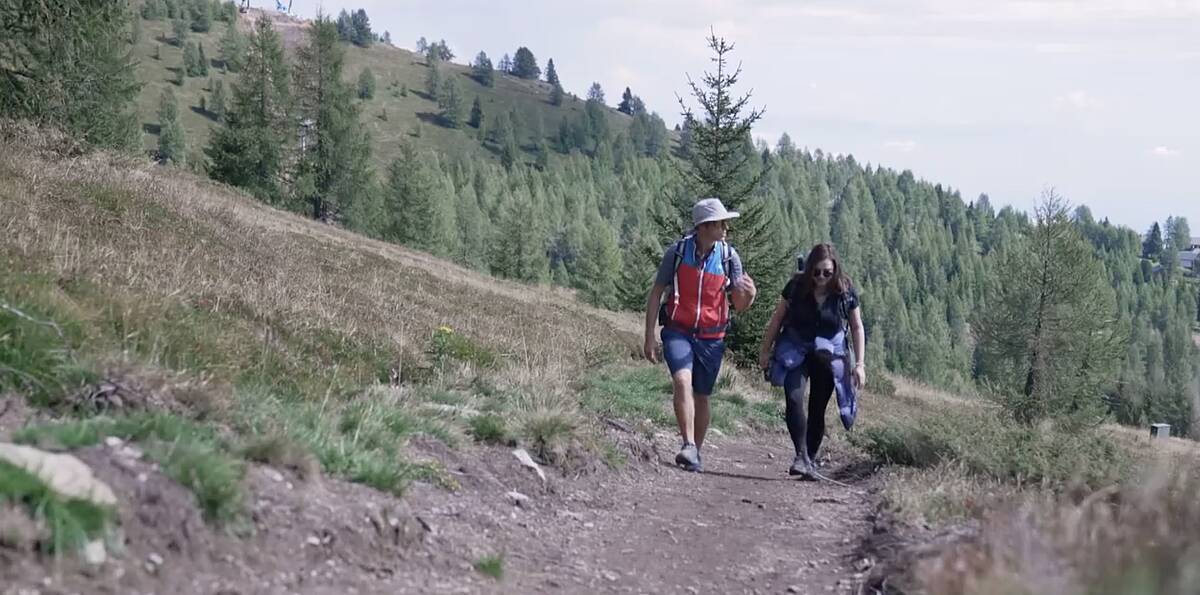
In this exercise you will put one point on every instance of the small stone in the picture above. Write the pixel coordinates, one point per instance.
(610, 576)
(150, 568)
(131, 452)
(94, 553)
(275, 475)
(526, 460)
(589, 525)
(812, 564)
(518, 498)
(747, 501)
(393, 522)
(155, 559)
(142, 478)
(313, 541)
(113, 442)
(770, 455)
(762, 506)
(793, 589)
(693, 590)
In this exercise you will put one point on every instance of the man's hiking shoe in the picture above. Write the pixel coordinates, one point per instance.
(688, 457)
(802, 466)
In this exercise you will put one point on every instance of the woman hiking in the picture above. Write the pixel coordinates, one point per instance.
(804, 350)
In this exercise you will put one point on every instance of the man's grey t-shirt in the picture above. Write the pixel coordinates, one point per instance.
(666, 269)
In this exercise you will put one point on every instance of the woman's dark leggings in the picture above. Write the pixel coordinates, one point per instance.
(807, 432)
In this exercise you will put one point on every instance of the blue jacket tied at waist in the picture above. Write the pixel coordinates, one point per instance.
(792, 351)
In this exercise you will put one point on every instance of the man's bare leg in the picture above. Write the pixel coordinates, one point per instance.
(701, 418)
(685, 405)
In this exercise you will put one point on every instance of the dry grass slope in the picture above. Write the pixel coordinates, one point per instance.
(195, 299)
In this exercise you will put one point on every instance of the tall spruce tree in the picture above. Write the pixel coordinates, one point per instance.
(596, 93)
(525, 64)
(366, 84)
(248, 152)
(333, 168)
(418, 213)
(552, 74)
(172, 145)
(233, 48)
(722, 163)
(360, 29)
(476, 118)
(451, 104)
(1048, 340)
(626, 105)
(433, 77)
(1152, 247)
(67, 64)
(482, 71)
(216, 102)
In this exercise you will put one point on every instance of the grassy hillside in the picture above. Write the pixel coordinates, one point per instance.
(395, 70)
(295, 339)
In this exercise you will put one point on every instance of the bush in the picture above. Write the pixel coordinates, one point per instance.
(489, 428)
(446, 345)
(35, 357)
(992, 446)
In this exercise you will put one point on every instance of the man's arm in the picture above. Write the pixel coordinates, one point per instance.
(744, 291)
(652, 304)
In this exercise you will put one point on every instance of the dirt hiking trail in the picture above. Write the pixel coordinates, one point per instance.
(741, 527)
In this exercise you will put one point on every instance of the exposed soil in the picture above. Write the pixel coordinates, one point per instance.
(741, 527)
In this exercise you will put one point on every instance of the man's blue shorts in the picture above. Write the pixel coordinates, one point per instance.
(702, 356)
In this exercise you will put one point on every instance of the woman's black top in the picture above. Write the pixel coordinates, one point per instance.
(808, 320)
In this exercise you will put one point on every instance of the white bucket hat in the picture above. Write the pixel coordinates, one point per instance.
(707, 210)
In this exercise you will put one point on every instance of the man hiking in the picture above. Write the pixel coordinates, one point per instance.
(704, 274)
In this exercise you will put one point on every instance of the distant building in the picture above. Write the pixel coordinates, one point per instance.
(1188, 259)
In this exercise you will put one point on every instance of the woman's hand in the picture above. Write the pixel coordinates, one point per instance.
(860, 376)
(764, 359)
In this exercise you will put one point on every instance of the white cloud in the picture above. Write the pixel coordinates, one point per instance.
(1058, 48)
(1078, 100)
(1164, 152)
(904, 146)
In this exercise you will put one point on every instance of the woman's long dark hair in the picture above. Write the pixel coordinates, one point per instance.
(840, 282)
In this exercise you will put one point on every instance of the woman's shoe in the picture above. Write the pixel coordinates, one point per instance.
(801, 466)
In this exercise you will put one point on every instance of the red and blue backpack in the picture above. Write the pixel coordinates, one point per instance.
(698, 302)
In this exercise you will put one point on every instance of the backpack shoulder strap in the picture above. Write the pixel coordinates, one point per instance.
(680, 246)
(726, 264)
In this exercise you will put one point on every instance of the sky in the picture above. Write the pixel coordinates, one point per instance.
(1096, 99)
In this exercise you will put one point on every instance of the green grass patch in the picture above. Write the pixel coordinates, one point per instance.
(634, 394)
(489, 428)
(71, 523)
(446, 345)
(995, 447)
(188, 452)
(360, 440)
(492, 566)
(37, 350)
(644, 393)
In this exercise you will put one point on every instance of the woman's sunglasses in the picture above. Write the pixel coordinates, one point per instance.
(827, 273)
